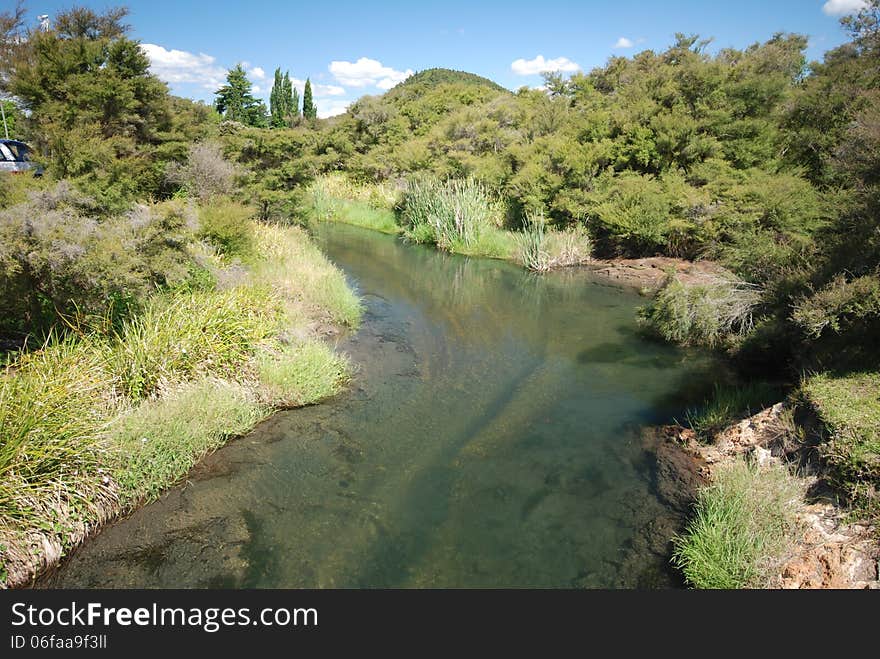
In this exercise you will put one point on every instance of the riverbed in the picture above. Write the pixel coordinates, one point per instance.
(490, 438)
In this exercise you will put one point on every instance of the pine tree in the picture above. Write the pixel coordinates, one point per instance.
(235, 102)
(310, 110)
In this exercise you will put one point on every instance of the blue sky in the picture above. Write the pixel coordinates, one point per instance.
(353, 48)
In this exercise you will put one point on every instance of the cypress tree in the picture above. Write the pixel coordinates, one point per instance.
(277, 101)
(310, 110)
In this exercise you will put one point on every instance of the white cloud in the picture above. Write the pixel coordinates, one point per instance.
(332, 108)
(623, 42)
(538, 65)
(367, 72)
(256, 89)
(258, 73)
(843, 7)
(181, 66)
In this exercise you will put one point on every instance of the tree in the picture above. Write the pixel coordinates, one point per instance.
(310, 110)
(235, 102)
(283, 101)
(292, 96)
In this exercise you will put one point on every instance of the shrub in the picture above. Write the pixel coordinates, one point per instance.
(60, 266)
(302, 374)
(226, 225)
(743, 527)
(705, 312)
(205, 174)
(839, 305)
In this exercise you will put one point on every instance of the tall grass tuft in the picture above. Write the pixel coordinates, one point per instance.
(451, 214)
(183, 335)
(311, 286)
(743, 528)
(54, 405)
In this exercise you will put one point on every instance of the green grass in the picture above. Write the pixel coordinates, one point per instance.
(54, 405)
(849, 407)
(188, 334)
(158, 442)
(743, 527)
(92, 424)
(728, 404)
(302, 374)
(310, 286)
(336, 199)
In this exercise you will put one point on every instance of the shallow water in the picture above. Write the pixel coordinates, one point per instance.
(490, 438)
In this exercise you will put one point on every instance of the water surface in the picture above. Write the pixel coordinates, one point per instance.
(490, 439)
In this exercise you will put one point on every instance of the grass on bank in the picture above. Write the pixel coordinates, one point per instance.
(188, 372)
(160, 440)
(336, 199)
(730, 403)
(743, 527)
(849, 407)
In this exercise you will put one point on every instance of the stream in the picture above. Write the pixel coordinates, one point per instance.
(490, 438)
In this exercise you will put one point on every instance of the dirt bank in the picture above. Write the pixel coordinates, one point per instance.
(651, 273)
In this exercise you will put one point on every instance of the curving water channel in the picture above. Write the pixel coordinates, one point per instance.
(490, 439)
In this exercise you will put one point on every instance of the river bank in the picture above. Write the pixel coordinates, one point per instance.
(125, 418)
(822, 545)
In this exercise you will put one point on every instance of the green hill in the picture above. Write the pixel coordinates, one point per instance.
(430, 78)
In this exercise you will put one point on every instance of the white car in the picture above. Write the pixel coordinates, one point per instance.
(15, 157)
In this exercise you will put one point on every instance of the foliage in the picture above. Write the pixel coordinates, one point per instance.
(283, 101)
(205, 174)
(447, 214)
(310, 110)
(226, 224)
(743, 527)
(61, 266)
(235, 102)
(703, 312)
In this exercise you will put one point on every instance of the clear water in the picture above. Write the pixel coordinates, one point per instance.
(490, 439)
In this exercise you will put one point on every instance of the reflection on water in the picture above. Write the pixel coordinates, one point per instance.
(490, 439)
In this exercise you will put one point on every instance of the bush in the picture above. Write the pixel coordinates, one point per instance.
(60, 266)
(205, 174)
(839, 305)
(227, 225)
(743, 527)
(705, 312)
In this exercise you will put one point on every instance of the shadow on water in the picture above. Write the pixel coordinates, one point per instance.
(491, 438)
